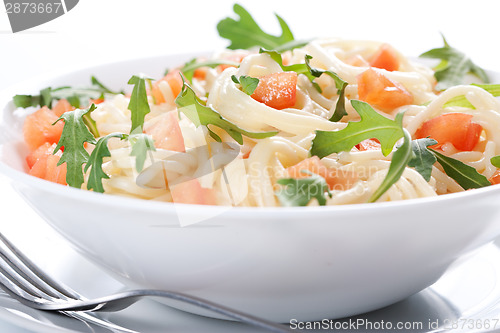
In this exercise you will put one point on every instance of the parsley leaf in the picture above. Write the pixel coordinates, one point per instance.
(454, 66)
(248, 83)
(95, 161)
(75, 133)
(246, 33)
(141, 144)
(465, 175)
(399, 161)
(138, 105)
(424, 159)
(299, 192)
(189, 104)
(371, 125)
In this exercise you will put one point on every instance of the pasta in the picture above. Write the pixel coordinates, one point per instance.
(228, 173)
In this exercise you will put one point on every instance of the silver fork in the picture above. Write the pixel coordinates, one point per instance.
(28, 284)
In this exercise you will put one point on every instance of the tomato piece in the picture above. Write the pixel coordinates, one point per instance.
(45, 166)
(62, 106)
(41, 151)
(166, 132)
(385, 58)
(368, 144)
(191, 192)
(38, 128)
(335, 178)
(174, 80)
(455, 128)
(381, 92)
(277, 90)
(357, 60)
(236, 57)
(495, 179)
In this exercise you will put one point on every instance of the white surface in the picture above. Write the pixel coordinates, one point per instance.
(97, 31)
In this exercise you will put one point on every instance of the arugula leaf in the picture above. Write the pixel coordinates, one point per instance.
(424, 159)
(371, 125)
(104, 90)
(495, 160)
(248, 83)
(465, 175)
(75, 133)
(192, 65)
(454, 66)
(141, 144)
(299, 192)
(75, 96)
(311, 74)
(95, 161)
(400, 159)
(246, 33)
(138, 105)
(199, 114)
(493, 89)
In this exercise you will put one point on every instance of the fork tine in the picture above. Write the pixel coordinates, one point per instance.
(29, 276)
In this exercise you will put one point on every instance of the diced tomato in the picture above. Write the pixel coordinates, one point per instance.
(277, 90)
(368, 144)
(495, 179)
(335, 178)
(191, 192)
(381, 92)
(97, 101)
(385, 58)
(357, 61)
(61, 107)
(174, 80)
(38, 153)
(45, 166)
(167, 133)
(38, 128)
(200, 73)
(455, 128)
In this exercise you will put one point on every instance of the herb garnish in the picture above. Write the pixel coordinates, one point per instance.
(299, 192)
(454, 66)
(246, 33)
(138, 105)
(248, 84)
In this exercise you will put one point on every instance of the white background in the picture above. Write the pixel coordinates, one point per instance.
(101, 31)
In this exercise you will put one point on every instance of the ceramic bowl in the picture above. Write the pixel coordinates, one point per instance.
(279, 263)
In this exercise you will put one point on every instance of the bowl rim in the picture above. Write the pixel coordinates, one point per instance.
(15, 175)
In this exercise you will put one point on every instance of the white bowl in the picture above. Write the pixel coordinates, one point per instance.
(281, 263)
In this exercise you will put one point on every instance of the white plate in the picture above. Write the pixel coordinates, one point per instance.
(470, 290)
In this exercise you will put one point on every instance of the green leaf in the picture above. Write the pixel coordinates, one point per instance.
(248, 83)
(75, 133)
(138, 105)
(299, 192)
(246, 33)
(104, 90)
(371, 125)
(400, 159)
(75, 96)
(455, 65)
(465, 175)
(423, 159)
(189, 104)
(95, 161)
(192, 65)
(493, 89)
(495, 160)
(141, 144)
